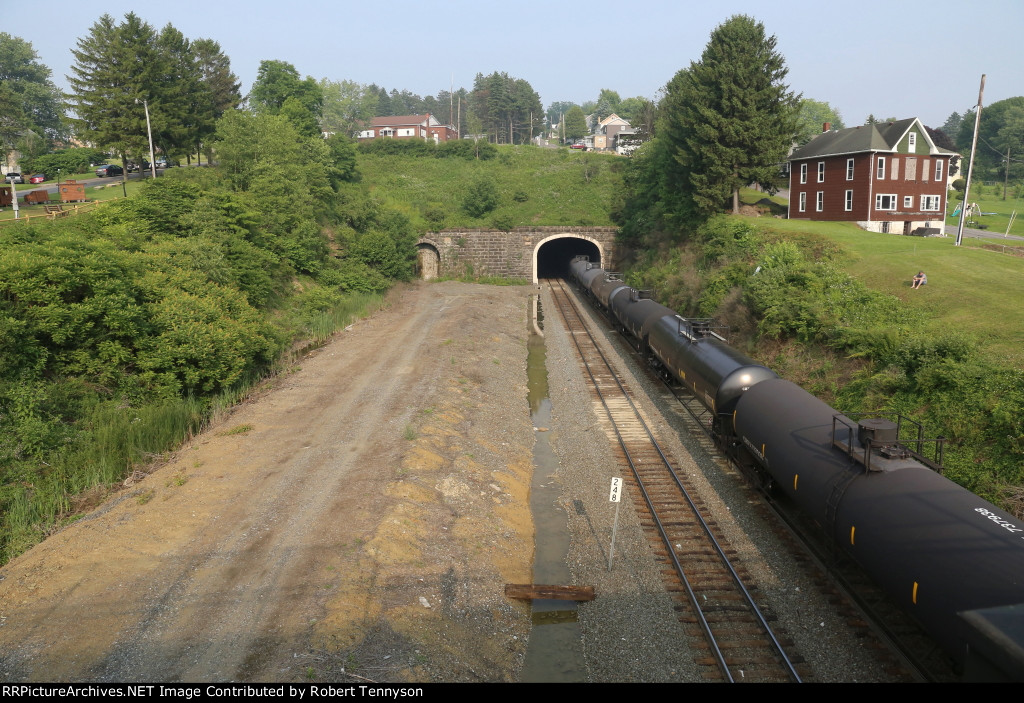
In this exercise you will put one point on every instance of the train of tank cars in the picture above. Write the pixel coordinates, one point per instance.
(954, 561)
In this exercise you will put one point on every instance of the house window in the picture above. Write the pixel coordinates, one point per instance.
(885, 228)
(908, 202)
(881, 168)
(821, 172)
(885, 202)
(894, 171)
(803, 173)
(910, 169)
(938, 169)
(849, 169)
(387, 132)
(820, 205)
(931, 203)
(803, 202)
(913, 143)
(849, 201)
(925, 166)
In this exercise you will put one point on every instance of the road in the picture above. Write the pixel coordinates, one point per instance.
(372, 502)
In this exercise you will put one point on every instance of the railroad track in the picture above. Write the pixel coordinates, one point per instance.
(901, 646)
(718, 610)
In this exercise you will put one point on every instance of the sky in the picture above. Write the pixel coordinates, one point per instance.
(894, 58)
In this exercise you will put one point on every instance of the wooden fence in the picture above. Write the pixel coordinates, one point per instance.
(51, 212)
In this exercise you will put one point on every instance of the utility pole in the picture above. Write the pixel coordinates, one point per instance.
(970, 165)
(1006, 173)
(149, 131)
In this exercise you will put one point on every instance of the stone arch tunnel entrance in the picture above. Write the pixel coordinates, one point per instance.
(553, 254)
(428, 261)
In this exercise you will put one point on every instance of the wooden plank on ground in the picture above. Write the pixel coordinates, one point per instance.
(529, 591)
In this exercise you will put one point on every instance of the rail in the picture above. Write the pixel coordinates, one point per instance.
(609, 380)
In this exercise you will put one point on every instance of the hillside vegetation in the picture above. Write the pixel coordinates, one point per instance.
(122, 329)
(465, 185)
(830, 307)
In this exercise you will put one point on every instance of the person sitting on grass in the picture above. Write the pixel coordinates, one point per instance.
(919, 280)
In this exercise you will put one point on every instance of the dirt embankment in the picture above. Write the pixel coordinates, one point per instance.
(360, 517)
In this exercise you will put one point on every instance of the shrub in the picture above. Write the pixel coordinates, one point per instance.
(481, 198)
(504, 220)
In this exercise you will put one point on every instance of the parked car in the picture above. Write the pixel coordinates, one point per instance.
(133, 167)
(37, 178)
(12, 177)
(109, 170)
(579, 145)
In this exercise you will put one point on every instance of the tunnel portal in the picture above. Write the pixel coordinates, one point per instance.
(553, 255)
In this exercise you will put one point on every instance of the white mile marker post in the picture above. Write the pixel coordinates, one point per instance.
(614, 497)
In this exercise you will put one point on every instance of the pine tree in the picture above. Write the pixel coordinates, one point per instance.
(219, 89)
(174, 101)
(116, 67)
(729, 119)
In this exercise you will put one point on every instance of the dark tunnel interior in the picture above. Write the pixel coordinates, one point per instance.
(553, 258)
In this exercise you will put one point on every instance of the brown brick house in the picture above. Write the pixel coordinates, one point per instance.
(408, 127)
(885, 177)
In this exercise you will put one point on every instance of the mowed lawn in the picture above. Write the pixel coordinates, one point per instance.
(970, 291)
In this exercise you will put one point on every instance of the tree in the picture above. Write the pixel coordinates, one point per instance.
(1010, 139)
(219, 88)
(952, 126)
(175, 99)
(383, 102)
(575, 124)
(29, 101)
(347, 106)
(509, 108)
(630, 108)
(728, 120)
(812, 116)
(991, 153)
(607, 103)
(940, 138)
(116, 67)
(276, 83)
(556, 110)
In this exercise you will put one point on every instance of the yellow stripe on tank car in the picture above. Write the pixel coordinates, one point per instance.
(853, 530)
(733, 420)
(796, 478)
(913, 597)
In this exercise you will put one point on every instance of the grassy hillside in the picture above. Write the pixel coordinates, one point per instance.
(535, 186)
(830, 307)
(971, 291)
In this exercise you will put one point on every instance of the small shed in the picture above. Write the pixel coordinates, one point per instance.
(5, 196)
(72, 192)
(37, 196)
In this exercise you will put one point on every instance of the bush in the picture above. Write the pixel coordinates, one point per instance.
(481, 198)
(69, 161)
(504, 221)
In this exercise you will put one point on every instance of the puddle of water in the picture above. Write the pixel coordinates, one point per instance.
(554, 652)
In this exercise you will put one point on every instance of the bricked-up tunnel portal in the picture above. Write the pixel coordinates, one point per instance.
(552, 256)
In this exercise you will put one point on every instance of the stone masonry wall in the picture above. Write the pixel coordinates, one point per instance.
(485, 252)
